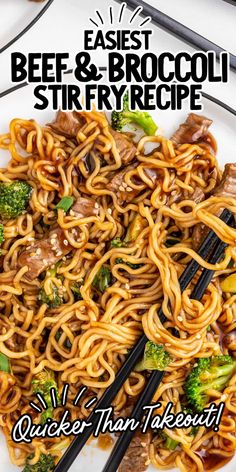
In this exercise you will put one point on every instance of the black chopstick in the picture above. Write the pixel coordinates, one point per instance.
(105, 401)
(177, 29)
(155, 378)
(28, 27)
(232, 2)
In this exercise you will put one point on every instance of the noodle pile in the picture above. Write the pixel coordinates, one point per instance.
(102, 327)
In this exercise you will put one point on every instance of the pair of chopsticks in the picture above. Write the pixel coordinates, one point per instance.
(177, 29)
(212, 243)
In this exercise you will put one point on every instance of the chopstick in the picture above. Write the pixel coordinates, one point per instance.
(177, 29)
(232, 2)
(155, 378)
(105, 401)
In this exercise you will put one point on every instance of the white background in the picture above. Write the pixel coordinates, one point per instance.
(61, 29)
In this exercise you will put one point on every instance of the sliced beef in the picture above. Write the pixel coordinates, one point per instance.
(136, 458)
(124, 145)
(226, 188)
(193, 130)
(44, 253)
(197, 196)
(84, 206)
(116, 185)
(67, 123)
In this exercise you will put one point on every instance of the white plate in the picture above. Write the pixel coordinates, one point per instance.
(46, 36)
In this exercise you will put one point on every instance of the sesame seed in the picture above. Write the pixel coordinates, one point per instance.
(64, 289)
(198, 336)
(179, 318)
(96, 205)
(54, 235)
(121, 188)
(125, 184)
(38, 251)
(129, 189)
(109, 210)
(147, 462)
(143, 444)
(53, 241)
(65, 242)
(72, 213)
(127, 286)
(168, 344)
(64, 258)
(59, 253)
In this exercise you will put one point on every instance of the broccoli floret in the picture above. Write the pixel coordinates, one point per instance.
(14, 198)
(1, 233)
(210, 373)
(54, 298)
(169, 443)
(155, 358)
(45, 464)
(141, 118)
(43, 383)
(102, 279)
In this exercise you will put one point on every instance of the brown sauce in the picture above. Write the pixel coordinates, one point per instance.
(105, 442)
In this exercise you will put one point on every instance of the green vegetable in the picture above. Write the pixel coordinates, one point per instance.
(65, 203)
(1, 233)
(14, 198)
(170, 443)
(102, 279)
(45, 464)
(134, 228)
(5, 365)
(117, 242)
(43, 383)
(67, 342)
(210, 373)
(171, 242)
(119, 260)
(75, 288)
(119, 119)
(155, 358)
(54, 298)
